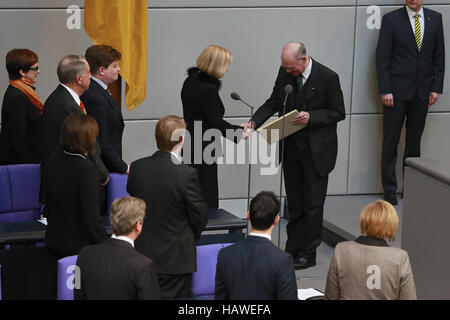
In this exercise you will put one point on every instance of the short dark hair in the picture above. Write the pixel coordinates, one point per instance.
(78, 133)
(101, 56)
(19, 59)
(165, 132)
(264, 208)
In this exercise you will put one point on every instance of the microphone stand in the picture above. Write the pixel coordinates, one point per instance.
(287, 91)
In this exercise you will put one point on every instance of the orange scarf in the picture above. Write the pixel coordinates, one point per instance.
(26, 86)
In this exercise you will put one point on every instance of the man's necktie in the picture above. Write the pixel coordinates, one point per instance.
(417, 31)
(300, 82)
(82, 107)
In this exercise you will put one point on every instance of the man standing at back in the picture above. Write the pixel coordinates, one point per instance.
(410, 68)
(176, 211)
(74, 76)
(113, 270)
(104, 64)
(255, 269)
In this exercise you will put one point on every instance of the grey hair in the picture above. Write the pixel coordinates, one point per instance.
(301, 50)
(70, 67)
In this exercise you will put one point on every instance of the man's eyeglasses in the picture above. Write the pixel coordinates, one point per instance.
(290, 68)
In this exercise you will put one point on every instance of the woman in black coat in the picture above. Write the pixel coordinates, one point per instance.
(21, 110)
(70, 190)
(203, 108)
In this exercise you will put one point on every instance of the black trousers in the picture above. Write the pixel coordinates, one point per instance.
(415, 111)
(175, 286)
(209, 183)
(306, 191)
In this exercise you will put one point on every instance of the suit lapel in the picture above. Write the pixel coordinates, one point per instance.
(70, 101)
(310, 85)
(427, 25)
(111, 102)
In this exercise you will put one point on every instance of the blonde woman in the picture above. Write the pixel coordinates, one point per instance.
(368, 268)
(203, 108)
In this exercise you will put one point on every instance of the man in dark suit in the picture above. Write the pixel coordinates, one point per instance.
(176, 211)
(104, 64)
(410, 61)
(309, 154)
(269, 272)
(74, 76)
(113, 270)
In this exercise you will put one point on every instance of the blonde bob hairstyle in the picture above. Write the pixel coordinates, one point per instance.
(379, 220)
(214, 60)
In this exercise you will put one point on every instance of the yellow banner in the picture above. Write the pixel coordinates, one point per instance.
(123, 25)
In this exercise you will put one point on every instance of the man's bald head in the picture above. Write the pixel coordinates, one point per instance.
(291, 58)
(70, 67)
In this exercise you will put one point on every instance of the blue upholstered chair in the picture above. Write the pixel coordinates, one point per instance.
(203, 281)
(117, 188)
(66, 278)
(19, 192)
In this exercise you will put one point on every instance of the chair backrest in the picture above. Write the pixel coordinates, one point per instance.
(203, 281)
(67, 278)
(117, 188)
(19, 192)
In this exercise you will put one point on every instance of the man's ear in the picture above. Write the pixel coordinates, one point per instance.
(277, 219)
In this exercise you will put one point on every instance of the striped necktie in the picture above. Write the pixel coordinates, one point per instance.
(417, 31)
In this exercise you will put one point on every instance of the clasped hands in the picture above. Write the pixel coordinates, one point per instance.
(302, 118)
(388, 99)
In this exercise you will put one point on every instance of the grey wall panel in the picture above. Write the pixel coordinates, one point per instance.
(365, 86)
(435, 139)
(254, 36)
(45, 32)
(247, 3)
(138, 140)
(40, 3)
(337, 182)
(396, 2)
(365, 155)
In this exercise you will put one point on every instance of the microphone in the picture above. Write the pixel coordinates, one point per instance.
(236, 97)
(287, 90)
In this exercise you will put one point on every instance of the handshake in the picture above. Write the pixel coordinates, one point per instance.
(248, 127)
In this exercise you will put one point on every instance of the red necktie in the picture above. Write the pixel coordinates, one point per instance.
(82, 107)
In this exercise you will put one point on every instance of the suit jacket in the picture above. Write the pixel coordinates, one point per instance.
(101, 105)
(255, 269)
(113, 270)
(401, 68)
(176, 212)
(202, 103)
(356, 265)
(20, 130)
(323, 100)
(57, 107)
(70, 192)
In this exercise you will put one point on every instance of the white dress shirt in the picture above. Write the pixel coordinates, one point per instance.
(123, 238)
(262, 235)
(411, 14)
(307, 72)
(73, 94)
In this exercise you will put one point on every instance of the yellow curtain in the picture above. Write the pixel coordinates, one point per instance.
(122, 24)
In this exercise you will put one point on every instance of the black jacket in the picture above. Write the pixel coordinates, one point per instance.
(401, 69)
(202, 103)
(113, 270)
(70, 192)
(20, 130)
(176, 212)
(323, 100)
(101, 105)
(57, 107)
(255, 269)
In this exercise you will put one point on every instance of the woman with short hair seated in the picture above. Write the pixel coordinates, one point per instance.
(70, 190)
(368, 268)
(21, 110)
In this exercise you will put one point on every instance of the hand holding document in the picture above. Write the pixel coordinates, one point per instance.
(273, 131)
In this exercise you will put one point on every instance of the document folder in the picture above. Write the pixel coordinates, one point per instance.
(273, 131)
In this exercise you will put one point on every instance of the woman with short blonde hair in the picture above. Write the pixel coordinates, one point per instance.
(203, 109)
(368, 268)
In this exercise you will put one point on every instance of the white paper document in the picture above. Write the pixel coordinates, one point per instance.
(304, 294)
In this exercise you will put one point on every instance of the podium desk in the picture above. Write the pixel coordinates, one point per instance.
(28, 233)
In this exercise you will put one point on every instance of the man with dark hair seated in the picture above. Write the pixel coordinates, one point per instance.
(255, 269)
